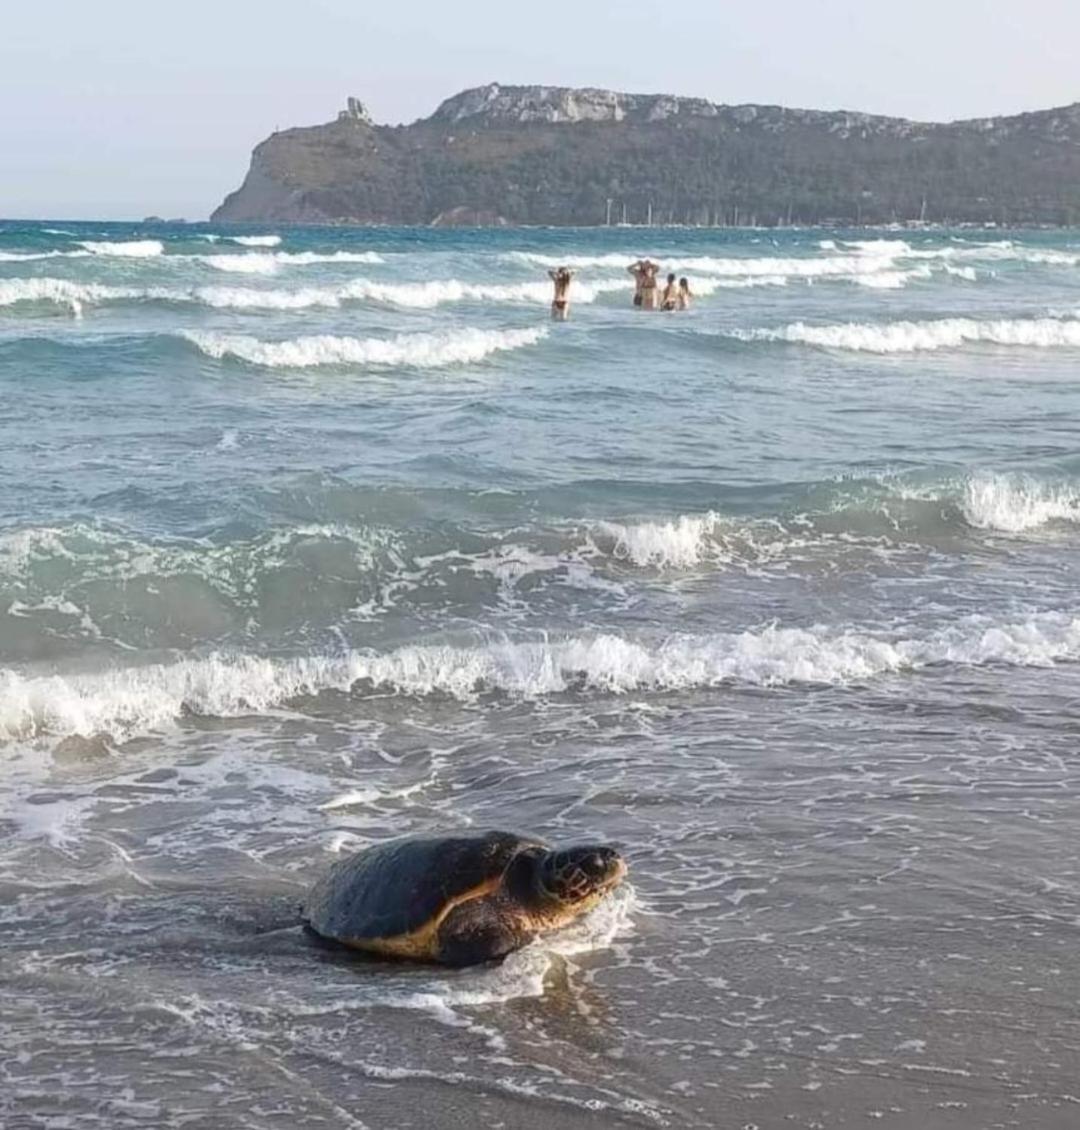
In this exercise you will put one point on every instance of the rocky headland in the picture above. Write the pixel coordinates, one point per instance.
(554, 155)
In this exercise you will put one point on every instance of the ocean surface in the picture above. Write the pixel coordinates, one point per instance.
(314, 537)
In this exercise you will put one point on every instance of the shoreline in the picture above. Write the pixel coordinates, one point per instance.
(337, 225)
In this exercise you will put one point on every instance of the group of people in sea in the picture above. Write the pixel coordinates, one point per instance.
(648, 294)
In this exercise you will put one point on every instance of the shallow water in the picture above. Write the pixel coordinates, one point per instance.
(323, 538)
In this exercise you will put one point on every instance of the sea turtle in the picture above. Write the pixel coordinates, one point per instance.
(461, 899)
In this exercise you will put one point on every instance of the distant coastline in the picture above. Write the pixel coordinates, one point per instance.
(501, 156)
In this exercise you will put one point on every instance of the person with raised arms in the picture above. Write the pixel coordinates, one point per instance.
(644, 272)
(560, 305)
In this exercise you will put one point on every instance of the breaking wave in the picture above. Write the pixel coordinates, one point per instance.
(679, 543)
(1016, 503)
(127, 249)
(805, 267)
(858, 260)
(61, 292)
(420, 295)
(892, 280)
(255, 240)
(127, 702)
(24, 256)
(912, 337)
(424, 295)
(267, 263)
(422, 350)
(877, 514)
(81, 553)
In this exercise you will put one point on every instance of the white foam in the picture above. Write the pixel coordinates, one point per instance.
(134, 701)
(844, 265)
(889, 248)
(1054, 258)
(370, 796)
(422, 350)
(911, 337)
(127, 249)
(892, 280)
(71, 294)
(24, 256)
(304, 258)
(30, 557)
(255, 240)
(352, 797)
(842, 259)
(267, 263)
(708, 286)
(242, 264)
(1015, 503)
(680, 543)
(249, 298)
(998, 251)
(424, 295)
(419, 295)
(524, 972)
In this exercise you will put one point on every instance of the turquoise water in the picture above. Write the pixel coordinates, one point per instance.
(310, 537)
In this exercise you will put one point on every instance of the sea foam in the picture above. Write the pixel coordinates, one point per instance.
(422, 350)
(123, 703)
(255, 240)
(425, 295)
(805, 267)
(61, 292)
(25, 256)
(416, 295)
(127, 249)
(913, 337)
(858, 260)
(267, 263)
(1017, 503)
(680, 543)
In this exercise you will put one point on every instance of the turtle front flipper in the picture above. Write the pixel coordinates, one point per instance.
(484, 929)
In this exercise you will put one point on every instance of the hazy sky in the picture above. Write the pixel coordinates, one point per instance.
(121, 108)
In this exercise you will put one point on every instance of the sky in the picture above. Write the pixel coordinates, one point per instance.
(120, 109)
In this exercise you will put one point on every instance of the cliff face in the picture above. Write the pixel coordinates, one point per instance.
(553, 155)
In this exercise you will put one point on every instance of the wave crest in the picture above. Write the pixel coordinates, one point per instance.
(267, 263)
(424, 295)
(914, 337)
(421, 350)
(139, 700)
(126, 249)
(683, 542)
(255, 240)
(1013, 504)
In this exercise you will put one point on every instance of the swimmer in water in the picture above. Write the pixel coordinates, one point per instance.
(560, 306)
(644, 272)
(669, 300)
(684, 296)
(638, 271)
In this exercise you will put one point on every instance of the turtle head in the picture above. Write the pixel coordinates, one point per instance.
(578, 875)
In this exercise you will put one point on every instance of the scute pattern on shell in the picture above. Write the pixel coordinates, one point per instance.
(396, 888)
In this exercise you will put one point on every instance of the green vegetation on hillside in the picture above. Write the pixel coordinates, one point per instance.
(730, 166)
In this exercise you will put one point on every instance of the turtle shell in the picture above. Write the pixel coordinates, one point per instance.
(402, 888)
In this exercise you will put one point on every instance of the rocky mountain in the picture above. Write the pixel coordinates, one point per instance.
(554, 155)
